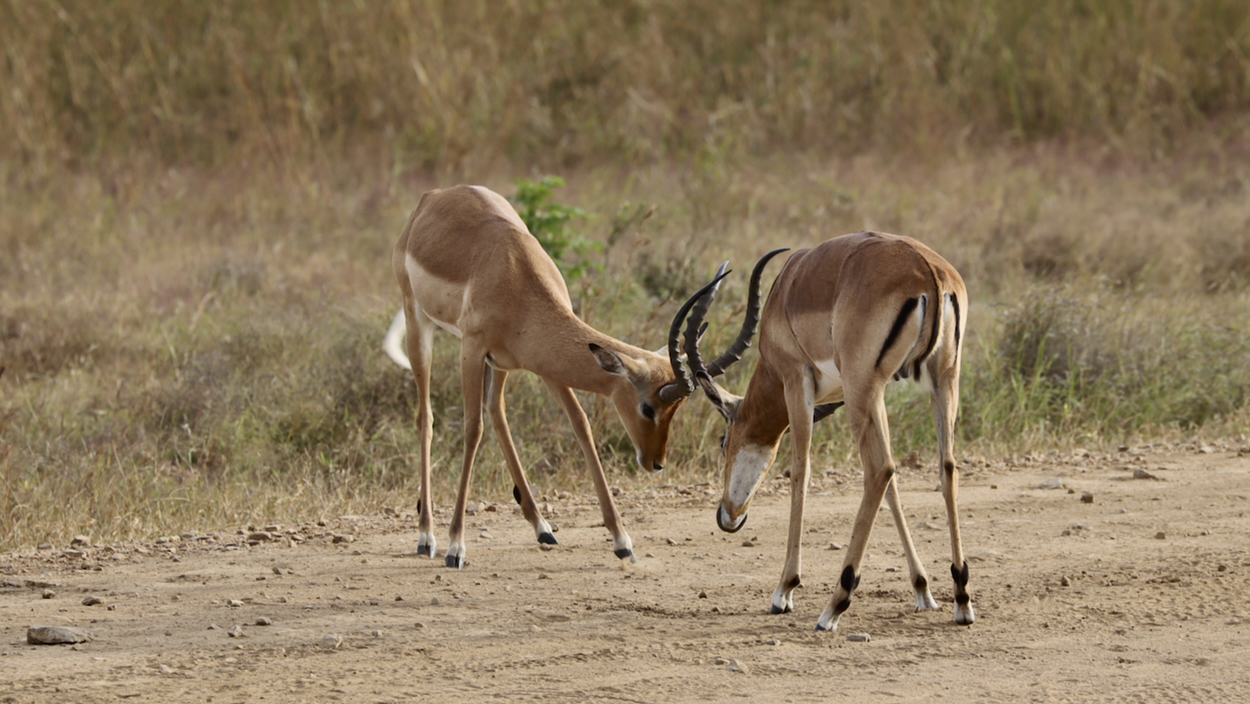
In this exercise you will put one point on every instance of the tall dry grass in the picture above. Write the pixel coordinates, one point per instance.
(474, 83)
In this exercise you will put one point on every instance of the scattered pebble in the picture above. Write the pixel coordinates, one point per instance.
(1051, 483)
(1087, 498)
(277, 570)
(92, 601)
(1161, 535)
(859, 638)
(49, 594)
(1140, 473)
(264, 621)
(259, 536)
(236, 631)
(834, 546)
(1065, 582)
(56, 635)
(702, 594)
(342, 538)
(234, 603)
(735, 666)
(331, 641)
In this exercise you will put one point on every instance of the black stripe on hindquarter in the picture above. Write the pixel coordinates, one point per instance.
(908, 306)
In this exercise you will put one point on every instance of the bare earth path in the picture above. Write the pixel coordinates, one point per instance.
(1142, 594)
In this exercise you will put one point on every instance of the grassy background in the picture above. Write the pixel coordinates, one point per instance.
(198, 202)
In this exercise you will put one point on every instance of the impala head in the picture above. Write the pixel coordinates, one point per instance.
(646, 400)
(749, 448)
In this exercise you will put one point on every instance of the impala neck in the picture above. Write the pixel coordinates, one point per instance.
(563, 356)
(762, 414)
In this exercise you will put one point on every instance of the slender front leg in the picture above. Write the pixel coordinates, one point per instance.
(521, 488)
(472, 378)
(918, 576)
(622, 546)
(868, 421)
(418, 340)
(799, 408)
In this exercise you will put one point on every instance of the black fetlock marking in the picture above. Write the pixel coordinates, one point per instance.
(623, 553)
(962, 598)
(921, 584)
(425, 551)
(516, 493)
(841, 606)
(456, 561)
(960, 575)
(547, 539)
(949, 468)
(849, 580)
(794, 583)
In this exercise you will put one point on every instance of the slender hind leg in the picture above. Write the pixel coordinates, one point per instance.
(873, 435)
(945, 404)
(521, 488)
(917, 575)
(419, 343)
(622, 546)
(472, 380)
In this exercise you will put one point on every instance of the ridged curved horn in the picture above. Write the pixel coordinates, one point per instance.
(683, 385)
(749, 324)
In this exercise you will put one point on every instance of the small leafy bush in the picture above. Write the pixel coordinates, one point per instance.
(549, 223)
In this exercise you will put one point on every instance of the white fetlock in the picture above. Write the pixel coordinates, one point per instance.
(783, 601)
(623, 547)
(828, 620)
(427, 545)
(964, 615)
(925, 600)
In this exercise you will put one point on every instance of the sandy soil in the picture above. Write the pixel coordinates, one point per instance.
(1142, 594)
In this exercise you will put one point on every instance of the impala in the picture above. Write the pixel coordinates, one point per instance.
(843, 320)
(466, 263)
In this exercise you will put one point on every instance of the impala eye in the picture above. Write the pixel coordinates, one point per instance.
(647, 411)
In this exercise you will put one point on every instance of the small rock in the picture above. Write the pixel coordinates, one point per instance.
(277, 570)
(473, 507)
(236, 631)
(702, 594)
(748, 544)
(1065, 582)
(56, 635)
(331, 641)
(376, 633)
(735, 666)
(720, 661)
(49, 594)
(859, 638)
(1051, 483)
(80, 541)
(260, 536)
(418, 625)
(670, 541)
(234, 603)
(1161, 535)
(264, 621)
(213, 627)
(343, 538)
(166, 669)
(1140, 473)
(1087, 498)
(772, 641)
(399, 597)
(543, 575)
(834, 546)
(92, 601)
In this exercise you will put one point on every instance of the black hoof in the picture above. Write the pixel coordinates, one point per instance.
(547, 539)
(624, 553)
(456, 561)
(425, 551)
(778, 610)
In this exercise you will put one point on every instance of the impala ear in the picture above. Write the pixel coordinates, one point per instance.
(614, 363)
(724, 401)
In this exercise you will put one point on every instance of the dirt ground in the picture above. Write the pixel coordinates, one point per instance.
(1142, 594)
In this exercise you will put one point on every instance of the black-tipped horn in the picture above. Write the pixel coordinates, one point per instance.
(683, 385)
(749, 324)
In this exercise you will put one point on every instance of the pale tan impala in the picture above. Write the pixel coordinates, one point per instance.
(843, 320)
(467, 263)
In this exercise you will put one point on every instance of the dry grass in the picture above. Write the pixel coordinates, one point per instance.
(198, 201)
